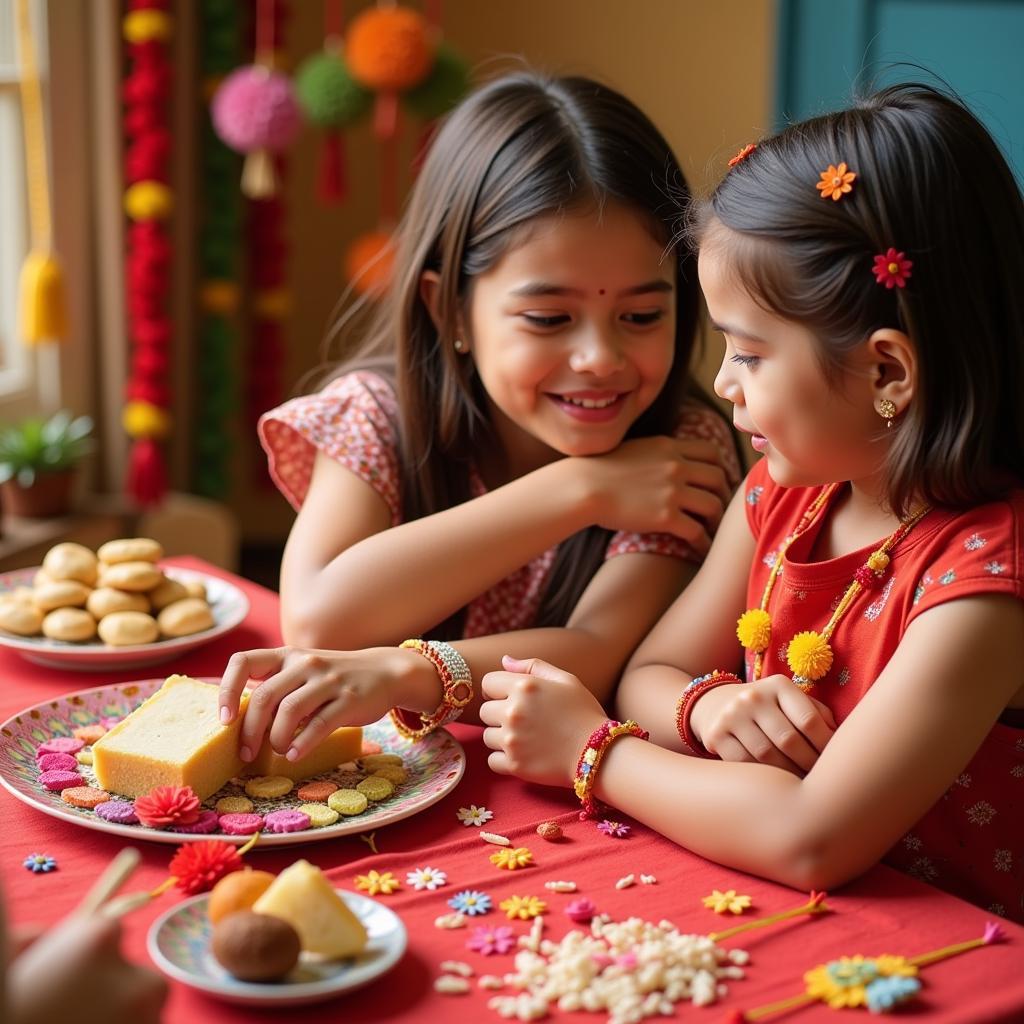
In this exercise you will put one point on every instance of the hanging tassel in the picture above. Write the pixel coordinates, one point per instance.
(385, 115)
(147, 472)
(43, 306)
(258, 178)
(332, 186)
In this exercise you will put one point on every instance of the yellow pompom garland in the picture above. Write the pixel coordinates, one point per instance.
(754, 629)
(809, 653)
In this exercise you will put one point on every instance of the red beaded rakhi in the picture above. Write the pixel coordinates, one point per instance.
(590, 758)
(809, 654)
(457, 688)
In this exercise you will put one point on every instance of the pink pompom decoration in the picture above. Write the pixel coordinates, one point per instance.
(255, 108)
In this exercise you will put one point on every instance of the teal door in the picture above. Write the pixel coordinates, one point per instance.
(975, 46)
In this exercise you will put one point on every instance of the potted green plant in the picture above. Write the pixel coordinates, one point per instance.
(37, 463)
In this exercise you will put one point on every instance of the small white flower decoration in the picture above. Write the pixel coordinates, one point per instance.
(473, 815)
(426, 878)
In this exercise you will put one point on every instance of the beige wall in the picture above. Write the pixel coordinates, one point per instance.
(701, 70)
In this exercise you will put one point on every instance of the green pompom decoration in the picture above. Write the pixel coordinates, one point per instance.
(447, 84)
(328, 95)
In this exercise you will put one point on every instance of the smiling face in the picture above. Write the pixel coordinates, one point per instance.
(811, 429)
(573, 333)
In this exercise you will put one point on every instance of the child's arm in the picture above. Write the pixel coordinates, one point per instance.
(350, 581)
(912, 734)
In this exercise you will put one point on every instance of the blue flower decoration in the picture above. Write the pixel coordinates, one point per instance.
(470, 901)
(885, 993)
(40, 863)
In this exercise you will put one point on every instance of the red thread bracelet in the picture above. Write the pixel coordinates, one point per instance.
(590, 757)
(690, 696)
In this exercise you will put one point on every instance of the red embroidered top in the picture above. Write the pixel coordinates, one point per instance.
(971, 843)
(353, 420)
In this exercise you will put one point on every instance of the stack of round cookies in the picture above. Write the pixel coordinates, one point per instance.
(118, 593)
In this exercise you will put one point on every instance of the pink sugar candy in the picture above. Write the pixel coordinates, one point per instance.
(240, 824)
(581, 910)
(57, 763)
(206, 822)
(287, 821)
(60, 745)
(57, 781)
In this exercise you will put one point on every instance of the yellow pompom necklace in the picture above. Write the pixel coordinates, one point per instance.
(809, 654)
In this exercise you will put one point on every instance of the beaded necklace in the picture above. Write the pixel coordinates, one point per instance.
(809, 654)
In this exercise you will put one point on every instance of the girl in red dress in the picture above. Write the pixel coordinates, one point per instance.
(865, 270)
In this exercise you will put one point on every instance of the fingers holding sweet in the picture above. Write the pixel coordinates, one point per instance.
(242, 667)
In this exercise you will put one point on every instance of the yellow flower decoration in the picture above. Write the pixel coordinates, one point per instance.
(754, 629)
(727, 902)
(511, 859)
(878, 561)
(373, 882)
(523, 907)
(809, 655)
(836, 182)
(843, 983)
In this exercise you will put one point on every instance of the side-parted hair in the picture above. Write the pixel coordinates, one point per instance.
(521, 147)
(932, 183)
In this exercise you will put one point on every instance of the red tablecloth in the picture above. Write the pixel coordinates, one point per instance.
(883, 912)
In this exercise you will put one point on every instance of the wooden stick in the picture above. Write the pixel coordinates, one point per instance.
(117, 872)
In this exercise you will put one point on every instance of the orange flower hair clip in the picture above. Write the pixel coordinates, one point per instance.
(743, 154)
(836, 182)
(892, 268)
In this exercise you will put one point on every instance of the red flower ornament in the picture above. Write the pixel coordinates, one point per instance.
(892, 269)
(199, 866)
(168, 805)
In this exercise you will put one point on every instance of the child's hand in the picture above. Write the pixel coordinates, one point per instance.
(538, 719)
(772, 721)
(75, 971)
(661, 485)
(318, 691)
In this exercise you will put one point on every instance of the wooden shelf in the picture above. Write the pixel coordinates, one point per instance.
(25, 541)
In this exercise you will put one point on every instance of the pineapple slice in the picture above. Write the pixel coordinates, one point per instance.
(303, 897)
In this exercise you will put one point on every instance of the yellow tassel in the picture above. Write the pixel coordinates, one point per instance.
(43, 308)
(809, 655)
(754, 629)
(259, 180)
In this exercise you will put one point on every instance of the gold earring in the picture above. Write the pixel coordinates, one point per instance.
(887, 410)
(460, 345)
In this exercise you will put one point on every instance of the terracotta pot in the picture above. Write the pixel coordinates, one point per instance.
(49, 496)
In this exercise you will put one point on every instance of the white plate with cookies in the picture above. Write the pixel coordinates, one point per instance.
(116, 608)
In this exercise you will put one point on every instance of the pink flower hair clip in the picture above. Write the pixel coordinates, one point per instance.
(743, 154)
(892, 269)
(836, 182)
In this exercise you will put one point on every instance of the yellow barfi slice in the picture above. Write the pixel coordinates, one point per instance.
(174, 739)
(344, 744)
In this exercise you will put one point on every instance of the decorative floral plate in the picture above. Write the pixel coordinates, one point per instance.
(435, 765)
(179, 943)
(228, 604)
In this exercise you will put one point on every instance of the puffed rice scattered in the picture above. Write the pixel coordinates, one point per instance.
(532, 941)
(456, 920)
(625, 882)
(493, 837)
(632, 970)
(491, 981)
(457, 967)
(560, 886)
(450, 985)
(648, 879)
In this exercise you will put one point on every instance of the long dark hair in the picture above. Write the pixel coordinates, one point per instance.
(520, 147)
(932, 183)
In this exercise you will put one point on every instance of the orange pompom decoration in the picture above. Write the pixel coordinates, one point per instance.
(369, 263)
(390, 49)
